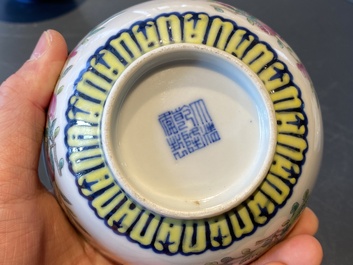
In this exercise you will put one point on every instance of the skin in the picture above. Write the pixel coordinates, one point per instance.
(33, 228)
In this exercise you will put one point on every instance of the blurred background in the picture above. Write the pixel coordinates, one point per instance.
(319, 31)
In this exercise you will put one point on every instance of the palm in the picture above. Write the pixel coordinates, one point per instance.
(38, 233)
(33, 228)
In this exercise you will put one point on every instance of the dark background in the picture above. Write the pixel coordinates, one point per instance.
(319, 31)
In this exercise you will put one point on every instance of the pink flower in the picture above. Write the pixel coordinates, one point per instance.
(73, 53)
(266, 29)
(302, 69)
(52, 107)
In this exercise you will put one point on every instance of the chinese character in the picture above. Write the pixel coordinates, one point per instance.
(188, 128)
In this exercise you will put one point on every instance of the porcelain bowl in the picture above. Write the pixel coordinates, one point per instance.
(183, 132)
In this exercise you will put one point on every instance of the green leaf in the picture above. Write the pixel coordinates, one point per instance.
(294, 208)
(51, 127)
(56, 132)
(280, 43)
(61, 164)
(66, 71)
(51, 158)
(286, 223)
(251, 20)
(306, 195)
(58, 91)
(218, 9)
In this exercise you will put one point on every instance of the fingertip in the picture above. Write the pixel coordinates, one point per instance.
(316, 247)
(306, 248)
(314, 219)
(40, 73)
(308, 224)
(48, 40)
(58, 42)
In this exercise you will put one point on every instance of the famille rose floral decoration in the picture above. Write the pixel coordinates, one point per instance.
(183, 132)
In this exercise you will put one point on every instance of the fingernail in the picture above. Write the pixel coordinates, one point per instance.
(42, 45)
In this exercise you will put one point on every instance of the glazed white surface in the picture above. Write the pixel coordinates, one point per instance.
(203, 183)
(119, 247)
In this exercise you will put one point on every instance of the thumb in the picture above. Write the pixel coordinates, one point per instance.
(24, 97)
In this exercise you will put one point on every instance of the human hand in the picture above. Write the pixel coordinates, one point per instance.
(33, 228)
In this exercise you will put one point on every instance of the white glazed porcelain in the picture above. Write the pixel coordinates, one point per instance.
(183, 132)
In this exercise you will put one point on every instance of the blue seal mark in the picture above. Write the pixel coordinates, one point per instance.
(188, 128)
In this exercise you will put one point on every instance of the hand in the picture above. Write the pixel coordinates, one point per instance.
(33, 228)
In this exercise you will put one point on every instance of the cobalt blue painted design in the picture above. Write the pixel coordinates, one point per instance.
(153, 231)
(188, 128)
